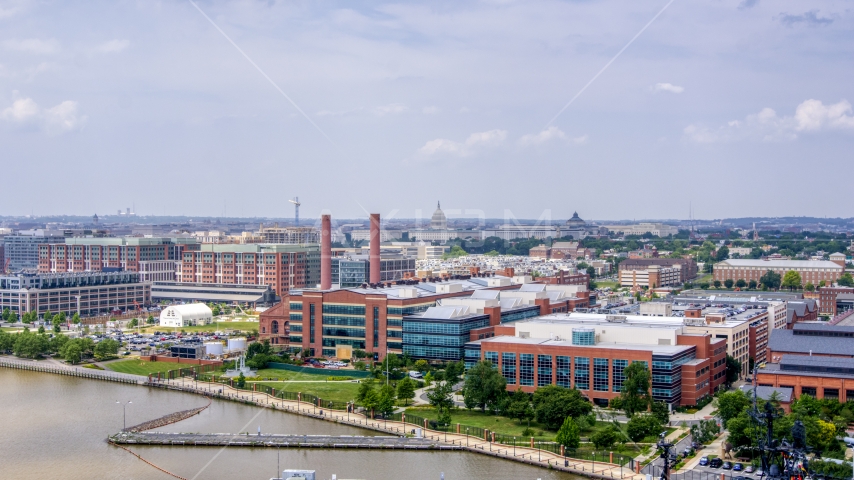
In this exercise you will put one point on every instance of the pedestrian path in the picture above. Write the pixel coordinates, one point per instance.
(529, 455)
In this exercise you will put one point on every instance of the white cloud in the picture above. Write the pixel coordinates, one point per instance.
(22, 110)
(32, 45)
(667, 87)
(63, 117)
(430, 110)
(813, 115)
(113, 46)
(390, 109)
(58, 119)
(475, 141)
(551, 133)
(810, 116)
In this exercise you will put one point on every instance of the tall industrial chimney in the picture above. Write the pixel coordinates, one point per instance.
(375, 248)
(325, 252)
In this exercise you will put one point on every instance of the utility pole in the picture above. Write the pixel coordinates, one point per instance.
(665, 446)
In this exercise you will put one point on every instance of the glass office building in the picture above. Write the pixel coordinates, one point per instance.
(440, 333)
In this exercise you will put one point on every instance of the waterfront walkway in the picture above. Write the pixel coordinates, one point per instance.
(288, 441)
(462, 441)
(529, 455)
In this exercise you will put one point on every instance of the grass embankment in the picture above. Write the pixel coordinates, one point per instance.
(243, 326)
(140, 367)
(607, 283)
(287, 375)
(497, 423)
(334, 391)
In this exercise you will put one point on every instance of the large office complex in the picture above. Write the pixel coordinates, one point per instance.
(86, 293)
(653, 276)
(815, 359)
(811, 271)
(22, 249)
(687, 266)
(153, 257)
(656, 229)
(282, 267)
(355, 270)
(590, 353)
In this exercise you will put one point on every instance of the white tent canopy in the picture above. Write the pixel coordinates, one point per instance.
(185, 315)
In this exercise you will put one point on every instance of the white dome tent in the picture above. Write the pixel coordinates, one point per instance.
(186, 315)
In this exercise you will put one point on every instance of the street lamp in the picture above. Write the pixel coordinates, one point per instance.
(124, 413)
(467, 436)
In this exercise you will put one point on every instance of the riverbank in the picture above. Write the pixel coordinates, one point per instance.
(482, 445)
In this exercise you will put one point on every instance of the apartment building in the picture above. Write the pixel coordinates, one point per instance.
(155, 257)
(86, 293)
(811, 271)
(688, 266)
(653, 276)
(282, 267)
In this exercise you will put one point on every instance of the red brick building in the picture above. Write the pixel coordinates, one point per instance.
(827, 298)
(811, 271)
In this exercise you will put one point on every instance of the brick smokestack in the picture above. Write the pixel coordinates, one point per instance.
(325, 252)
(375, 248)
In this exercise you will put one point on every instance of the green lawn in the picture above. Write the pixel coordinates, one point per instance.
(334, 391)
(223, 326)
(139, 367)
(278, 374)
(607, 283)
(705, 278)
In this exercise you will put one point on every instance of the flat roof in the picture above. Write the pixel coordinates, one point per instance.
(655, 349)
(630, 320)
(781, 340)
(781, 263)
(424, 290)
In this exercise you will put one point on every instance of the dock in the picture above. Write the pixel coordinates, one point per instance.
(280, 441)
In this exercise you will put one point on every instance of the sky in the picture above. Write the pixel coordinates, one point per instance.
(534, 109)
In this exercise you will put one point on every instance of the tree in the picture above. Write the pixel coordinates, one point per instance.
(552, 404)
(741, 429)
(484, 388)
(792, 280)
(30, 345)
(453, 371)
(421, 366)
(740, 283)
(634, 396)
(385, 403)
(440, 398)
(406, 389)
(733, 369)
(365, 386)
(518, 405)
(728, 283)
(150, 320)
(846, 280)
(717, 283)
(106, 348)
(47, 317)
(428, 379)
(751, 285)
(6, 314)
(241, 380)
(660, 411)
(605, 438)
(569, 434)
(771, 280)
(730, 404)
(642, 426)
(809, 287)
(216, 311)
(722, 254)
(133, 323)
(72, 353)
(359, 353)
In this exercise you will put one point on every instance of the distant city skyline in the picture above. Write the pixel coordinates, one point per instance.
(613, 109)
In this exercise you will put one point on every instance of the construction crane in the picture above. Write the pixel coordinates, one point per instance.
(296, 203)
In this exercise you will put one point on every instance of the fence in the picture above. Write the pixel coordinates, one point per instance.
(71, 372)
(657, 470)
(315, 371)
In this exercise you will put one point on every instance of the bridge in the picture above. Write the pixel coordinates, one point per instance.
(280, 441)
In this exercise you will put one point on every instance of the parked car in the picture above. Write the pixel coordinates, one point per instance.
(687, 452)
(737, 467)
(715, 462)
(704, 461)
(727, 466)
(740, 478)
(696, 445)
(748, 469)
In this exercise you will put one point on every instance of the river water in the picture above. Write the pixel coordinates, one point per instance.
(54, 427)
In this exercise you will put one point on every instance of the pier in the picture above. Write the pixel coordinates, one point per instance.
(280, 441)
